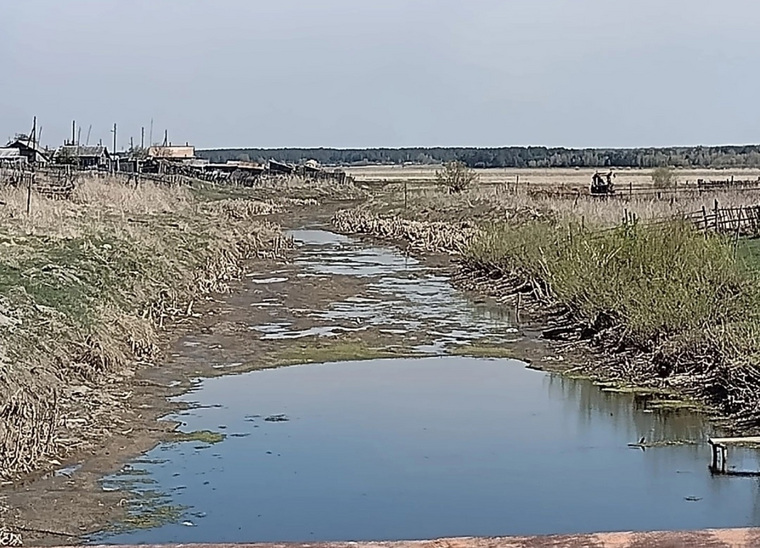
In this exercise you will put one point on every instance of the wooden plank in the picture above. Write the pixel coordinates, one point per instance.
(729, 441)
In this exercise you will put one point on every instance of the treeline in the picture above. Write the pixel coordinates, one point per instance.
(518, 157)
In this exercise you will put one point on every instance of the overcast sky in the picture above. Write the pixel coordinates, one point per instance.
(366, 73)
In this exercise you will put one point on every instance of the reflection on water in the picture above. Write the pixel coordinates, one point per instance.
(393, 449)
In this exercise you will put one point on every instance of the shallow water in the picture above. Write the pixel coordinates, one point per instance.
(417, 448)
(449, 446)
(402, 293)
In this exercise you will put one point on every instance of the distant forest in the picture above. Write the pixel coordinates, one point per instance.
(536, 157)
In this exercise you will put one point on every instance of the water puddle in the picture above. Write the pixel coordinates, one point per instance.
(412, 449)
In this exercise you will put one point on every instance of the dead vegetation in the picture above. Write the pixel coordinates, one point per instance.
(425, 236)
(305, 189)
(484, 203)
(86, 286)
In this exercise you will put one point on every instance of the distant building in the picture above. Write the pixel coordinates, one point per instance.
(30, 150)
(11, 157)
(83, 156)
(234, 166)
(279, 167)
(173, 153)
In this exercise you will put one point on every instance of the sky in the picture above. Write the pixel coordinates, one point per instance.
(391, 73)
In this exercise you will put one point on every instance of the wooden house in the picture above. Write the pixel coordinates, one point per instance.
(30, 150)
(11, 157)
(83, 156)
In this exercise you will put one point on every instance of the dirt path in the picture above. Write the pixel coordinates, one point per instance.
(323, 304)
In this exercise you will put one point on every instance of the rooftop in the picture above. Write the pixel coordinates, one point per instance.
(8, 153)
(186, 152)
(80, 151)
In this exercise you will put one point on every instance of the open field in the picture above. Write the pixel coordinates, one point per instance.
(639, 179)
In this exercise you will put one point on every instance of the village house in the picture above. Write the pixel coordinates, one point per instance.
(83, 156)
(172, 153)
(29, 149)
(11, 157)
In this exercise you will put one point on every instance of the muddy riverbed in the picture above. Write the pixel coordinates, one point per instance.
(416, 441)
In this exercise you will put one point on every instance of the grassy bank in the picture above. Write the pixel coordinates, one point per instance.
(684, 303)
(87, 284)
(654, 283)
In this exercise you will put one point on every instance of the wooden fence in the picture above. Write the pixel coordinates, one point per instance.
(739, 221)
(742, 220)
(57, 183)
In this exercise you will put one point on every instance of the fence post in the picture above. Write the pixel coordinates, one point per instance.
(716, 216)
(30, 178)
(704, 216)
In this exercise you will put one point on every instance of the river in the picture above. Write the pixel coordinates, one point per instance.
(418, 447)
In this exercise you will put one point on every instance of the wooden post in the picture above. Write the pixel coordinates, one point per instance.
(405, 195)
(630, 190)
(113, 160)
(704, 217)
(30, 178)
(517, 309)
(517, 182)
(716, 215)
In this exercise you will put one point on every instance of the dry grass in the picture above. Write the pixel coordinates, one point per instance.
(551, 178)
(484, 202)
(85, 287)
(559, 193)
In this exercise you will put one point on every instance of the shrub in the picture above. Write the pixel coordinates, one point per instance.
(455, 176)
(664, 178)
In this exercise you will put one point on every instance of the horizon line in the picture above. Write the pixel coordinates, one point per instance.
(429, 147)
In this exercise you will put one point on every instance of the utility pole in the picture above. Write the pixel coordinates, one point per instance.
(150, 140)
(73, 132)
(142, 137)
(114, 160)
(33, 136)
(34, 163)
